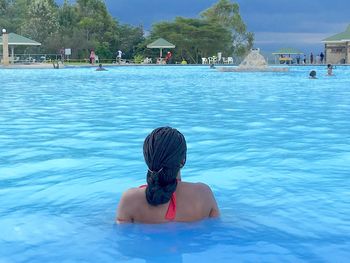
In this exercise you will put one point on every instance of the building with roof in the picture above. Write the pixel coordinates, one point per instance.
(286, 55)
(337, 48)
(161, 43)
(17, 40)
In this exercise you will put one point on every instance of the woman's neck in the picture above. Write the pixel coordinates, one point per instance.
(178, 177)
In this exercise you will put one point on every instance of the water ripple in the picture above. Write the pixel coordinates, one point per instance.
(273, 147)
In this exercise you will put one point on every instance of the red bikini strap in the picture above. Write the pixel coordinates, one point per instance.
(171, 212)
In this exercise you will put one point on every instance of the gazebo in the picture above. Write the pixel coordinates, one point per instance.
(285, 55)
(17, 40)
(337, 48)
(161, 43)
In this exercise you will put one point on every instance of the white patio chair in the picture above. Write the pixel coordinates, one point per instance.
(224, 60)
(212, 60)
(204, 61)
(230, 60)
(147, 61)
(15, 60)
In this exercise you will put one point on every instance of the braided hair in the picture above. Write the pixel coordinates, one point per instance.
(164, 151)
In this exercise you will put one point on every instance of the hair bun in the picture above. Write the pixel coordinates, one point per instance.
(153, 178)
(166, 148)
(158, 192)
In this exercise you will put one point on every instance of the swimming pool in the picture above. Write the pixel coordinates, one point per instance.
(274, 147)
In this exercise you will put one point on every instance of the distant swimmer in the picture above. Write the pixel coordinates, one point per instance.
(212, 66)
(330, 70)
(312, 74)
(100, 68)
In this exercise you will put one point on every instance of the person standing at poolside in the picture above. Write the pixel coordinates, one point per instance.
(322, 57)
(168, 57)
(166, 198)
(318, 59)
(92, 57)
(62, 54)
(311, 58)
(119, 56)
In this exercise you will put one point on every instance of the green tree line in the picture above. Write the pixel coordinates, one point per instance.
(87, 24)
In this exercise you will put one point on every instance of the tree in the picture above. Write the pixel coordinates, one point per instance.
(193, 38)
(227, 14)
(129, 38)
(220, 29)
(12, 14)
(41, 20)
(67, 18)
(95, 20)
(101, 30)
(81, 25)
(3, 6)
(3, 9)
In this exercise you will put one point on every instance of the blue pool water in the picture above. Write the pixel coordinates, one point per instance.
(274, 147)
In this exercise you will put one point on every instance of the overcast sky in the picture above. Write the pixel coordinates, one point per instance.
(276, 23)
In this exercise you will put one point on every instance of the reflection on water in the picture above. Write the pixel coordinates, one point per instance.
(170, 241)
(274, 148)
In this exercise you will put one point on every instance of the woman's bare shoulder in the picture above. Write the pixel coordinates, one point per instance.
(129, 203)
(207, 197)
(202, 195)
(133, 193)
(196, 190)
(196, 186)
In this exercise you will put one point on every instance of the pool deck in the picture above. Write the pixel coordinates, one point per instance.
(253, 69)
(28, 66)
(50, 66)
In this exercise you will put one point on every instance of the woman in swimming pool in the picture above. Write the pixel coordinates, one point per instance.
(165, 197)
(329, 70)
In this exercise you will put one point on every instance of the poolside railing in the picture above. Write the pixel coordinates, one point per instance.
(49, 58)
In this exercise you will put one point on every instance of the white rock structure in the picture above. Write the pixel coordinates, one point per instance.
(254, 62)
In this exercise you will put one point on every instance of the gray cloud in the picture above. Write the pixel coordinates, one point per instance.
(297, 23)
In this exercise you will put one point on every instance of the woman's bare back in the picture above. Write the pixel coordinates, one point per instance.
(194, 201)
